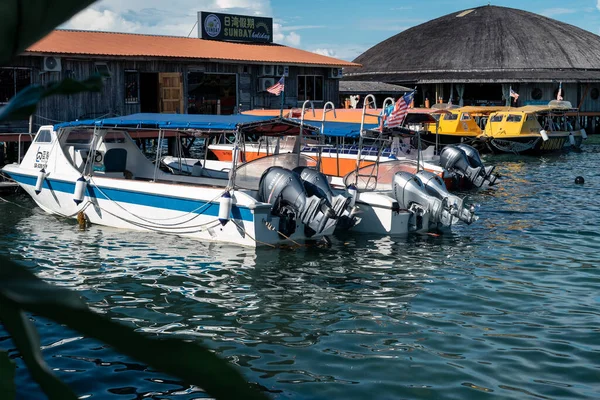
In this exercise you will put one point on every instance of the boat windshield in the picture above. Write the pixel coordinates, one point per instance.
(450, 117)
(514, 118)
(80, 136)
(247, 176)
(496, 118)
(44, 136)
(379, 178)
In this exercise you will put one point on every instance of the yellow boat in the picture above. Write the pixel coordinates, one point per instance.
(460, 125)
(533, 129)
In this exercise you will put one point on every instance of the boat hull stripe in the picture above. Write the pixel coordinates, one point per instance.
(138, 198)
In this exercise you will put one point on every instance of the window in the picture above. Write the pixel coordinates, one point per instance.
(536, 94)
(114, 137)
(102, 70)
(450, 117)
(496, 118)
(132, 87)
(12, 81)
(513, 118)
(80, 136)
(465, 117)
(43, 136)
(310, 87)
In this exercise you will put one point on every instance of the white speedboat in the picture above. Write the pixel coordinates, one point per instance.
(94, 171)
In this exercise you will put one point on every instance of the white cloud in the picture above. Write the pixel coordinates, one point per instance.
(325, 52)
(280, 36)
(101, 20)
(552, 12)
(159, 17)
(346, 52)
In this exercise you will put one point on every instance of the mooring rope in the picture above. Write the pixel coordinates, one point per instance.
(156, 221)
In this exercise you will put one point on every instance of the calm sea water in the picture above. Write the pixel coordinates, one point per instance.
(506, 308)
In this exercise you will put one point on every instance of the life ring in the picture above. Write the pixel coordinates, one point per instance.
(98, 156)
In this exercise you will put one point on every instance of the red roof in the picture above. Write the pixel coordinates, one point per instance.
(93, 43)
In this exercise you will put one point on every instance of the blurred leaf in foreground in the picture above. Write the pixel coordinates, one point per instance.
(25, 102)
(24, 22)
(195, 365)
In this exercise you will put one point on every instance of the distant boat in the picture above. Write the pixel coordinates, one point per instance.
(533, 129)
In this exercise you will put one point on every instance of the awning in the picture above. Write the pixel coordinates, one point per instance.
(200, 123)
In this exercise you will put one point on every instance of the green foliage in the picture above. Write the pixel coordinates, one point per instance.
(25, 102)
(24, 22)
(22, 291)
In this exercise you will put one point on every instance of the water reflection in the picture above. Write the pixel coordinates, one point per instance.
(417, 316)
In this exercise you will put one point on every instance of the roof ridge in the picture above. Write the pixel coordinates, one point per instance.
(159, 35)
(122, 33)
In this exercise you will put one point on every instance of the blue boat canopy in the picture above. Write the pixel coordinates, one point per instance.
(173, 121)
(264, 125)
(340, 129)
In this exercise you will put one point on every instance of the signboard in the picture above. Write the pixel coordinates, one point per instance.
(239, 28)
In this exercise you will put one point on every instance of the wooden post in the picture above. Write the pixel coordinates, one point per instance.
(587, 87)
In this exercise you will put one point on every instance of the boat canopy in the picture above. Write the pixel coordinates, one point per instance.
(200, 123)
(340, 129)
(481, 110)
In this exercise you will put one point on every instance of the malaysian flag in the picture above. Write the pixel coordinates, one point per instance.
(514, 94)
(559, 95)
(277, 88)
(398, 113)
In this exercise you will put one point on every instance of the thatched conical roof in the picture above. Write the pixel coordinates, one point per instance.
(484, 44)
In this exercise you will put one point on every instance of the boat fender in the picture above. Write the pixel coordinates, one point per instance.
(353, 192)
(583, 134)
(224, 208)
(571, 139)
(579, 180)
(40, 180)
(544, 134)
(80, 186)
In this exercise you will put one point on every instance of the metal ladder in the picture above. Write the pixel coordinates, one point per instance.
(372, 138)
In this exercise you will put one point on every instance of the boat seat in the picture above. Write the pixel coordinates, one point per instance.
(115, 160)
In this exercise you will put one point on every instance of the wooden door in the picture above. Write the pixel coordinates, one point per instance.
(171, 92)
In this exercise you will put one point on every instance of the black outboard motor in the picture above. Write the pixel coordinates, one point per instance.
(436, 187)
(475, 161)
(285, 191)
(455, 159)
(316, 184)
(411, 194)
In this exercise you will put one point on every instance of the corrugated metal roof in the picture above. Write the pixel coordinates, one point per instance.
(93, 43)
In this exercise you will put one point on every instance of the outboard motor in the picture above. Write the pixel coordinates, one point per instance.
(285, 191)
(475, 161)
(411, 194)
(436, 187)
(316, 184)
(454, 158)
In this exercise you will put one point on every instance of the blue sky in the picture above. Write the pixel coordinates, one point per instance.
(338, 28)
